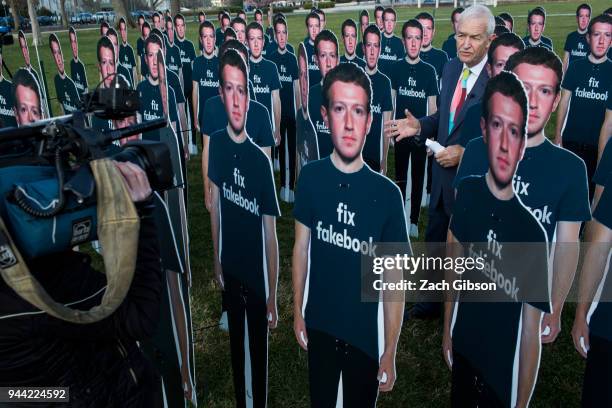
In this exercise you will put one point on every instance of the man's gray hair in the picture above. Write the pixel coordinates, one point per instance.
(479, 11)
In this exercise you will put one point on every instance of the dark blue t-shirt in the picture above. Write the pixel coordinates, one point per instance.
(78, 75)
(487, 333)
(314, 74)
(375, 214)
(436, 58)
(151, 106)
(326, 147)
(305, 139)
(244, 176)
(7, 114)
(355, 60)
(188, 55)
(413, 85)
(127, 59)
(576, 45)
(450, 46)
(391, 50)
(206, 75)
(599, 317)
(550, 181)
(67, 93)
(140, 50)
(382, 101)
(219, 37)
(590, 85)
(264, 76)
(258, 127)
(604, 168)
(286, 65)
(173, 59)
(543, 42)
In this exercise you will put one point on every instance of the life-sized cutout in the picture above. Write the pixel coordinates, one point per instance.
(27, 64)
(305, 133)
(484, 328)
(26, 98)
(173, 342)
(65, 89)
(77, 68)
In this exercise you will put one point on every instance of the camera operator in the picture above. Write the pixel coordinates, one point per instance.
(101, 362)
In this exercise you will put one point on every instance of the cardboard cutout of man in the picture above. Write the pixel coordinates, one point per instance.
(326, 52)
(305, 133)
(391, 47)
(26, 97)
(287, 67)
(25, 53)
(126, 52)
(376, 146)
(120, 68)
(491, 340)
(536, 22)
(188, 55)
(238, 167)
(586, 88)
(341, 332)
(77, 68)
(415, 87)
(551, 181)
(349, 38)
(313, 27)
(65, 89)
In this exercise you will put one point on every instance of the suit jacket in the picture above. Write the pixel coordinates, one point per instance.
(436, 126)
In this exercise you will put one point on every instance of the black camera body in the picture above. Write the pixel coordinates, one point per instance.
(47, 190)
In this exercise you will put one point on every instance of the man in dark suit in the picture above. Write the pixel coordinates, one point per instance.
(463, 82)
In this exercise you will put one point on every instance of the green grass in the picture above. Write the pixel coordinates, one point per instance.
(423, 379)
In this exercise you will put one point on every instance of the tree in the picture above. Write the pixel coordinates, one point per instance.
(33, 22)
(175, 7)
(121, 11)
(63, 13)
(14, 12)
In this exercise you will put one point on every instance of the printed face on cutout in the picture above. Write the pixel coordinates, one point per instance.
(240, 30)
(412, 42)
(27, 105)
(536, 27)
(365, 22)
(314, 26)
(281, 35)
(500, 57)
(347, 118)
(255, 40)
(303, 75)
(599, 39)
(371, 51)
(388, 23)
(207, 39)
(107, 66)
(428, 31)
(74, 45)
(180, 28)
(327, 56)
(151, 58)
(584, 16)
(350, 39)
(56, 51)
(540, 83)
(504, 137)
(378, 16)
(235, 95)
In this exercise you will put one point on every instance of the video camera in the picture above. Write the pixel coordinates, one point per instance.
(47, 189)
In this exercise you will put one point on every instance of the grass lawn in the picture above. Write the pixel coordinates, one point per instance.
(423, 379)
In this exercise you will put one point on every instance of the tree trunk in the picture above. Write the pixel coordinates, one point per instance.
(122, 11)
(13, 6)
(175, 7)
(63, 13)
(34, 22)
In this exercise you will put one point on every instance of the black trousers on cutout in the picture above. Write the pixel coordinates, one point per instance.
(287, 132)
(596, 390)
(469, 389)
(328, 357)
(588, 153)
(241, 302)
(407, 150)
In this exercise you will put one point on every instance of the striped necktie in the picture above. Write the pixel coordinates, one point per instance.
(458, 98)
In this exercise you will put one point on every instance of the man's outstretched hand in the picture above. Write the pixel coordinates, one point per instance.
(402, 128)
